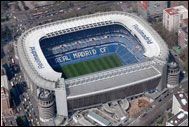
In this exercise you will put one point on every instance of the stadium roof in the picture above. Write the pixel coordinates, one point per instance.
(36, 65)
(115, 82)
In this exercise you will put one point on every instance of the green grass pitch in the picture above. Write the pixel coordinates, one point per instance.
(90, 66)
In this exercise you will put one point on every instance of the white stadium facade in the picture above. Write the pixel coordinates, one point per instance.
(99, 87)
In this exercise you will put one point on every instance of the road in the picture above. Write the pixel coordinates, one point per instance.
(23, 20)
(19, 90)
(184, 84)
(56, 11)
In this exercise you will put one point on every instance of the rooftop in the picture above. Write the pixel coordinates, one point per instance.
(176, 10)
(178, 118)
(183, 100)
(113, 82)
(99, 119)
(173, 65)
(4, 82)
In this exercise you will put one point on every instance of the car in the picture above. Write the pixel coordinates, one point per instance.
(12, 84)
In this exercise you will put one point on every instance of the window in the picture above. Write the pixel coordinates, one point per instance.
(181, 16)
(167, 22)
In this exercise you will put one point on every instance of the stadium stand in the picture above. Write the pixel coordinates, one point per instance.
(115, 37)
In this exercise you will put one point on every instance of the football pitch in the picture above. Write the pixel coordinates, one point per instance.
(90, 66)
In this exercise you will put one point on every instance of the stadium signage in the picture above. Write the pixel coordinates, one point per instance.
(142, 34)
(81, 54)
(84, 54)
(36, 58)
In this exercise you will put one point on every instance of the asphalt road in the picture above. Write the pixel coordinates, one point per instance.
(19, 91)
(29, 18)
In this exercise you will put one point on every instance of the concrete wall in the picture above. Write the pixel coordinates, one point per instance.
(84, 102)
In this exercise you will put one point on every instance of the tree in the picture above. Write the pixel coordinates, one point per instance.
(186, 59)
(71, 5)
(169, 37)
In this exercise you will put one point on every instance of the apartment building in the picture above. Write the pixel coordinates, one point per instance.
(173, 16)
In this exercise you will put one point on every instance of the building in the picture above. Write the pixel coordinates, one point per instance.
(180, 103)
(4, 82)
(180, 119)
(180, 110)
(46, 103)
(99, 87)
(98, 119)
(172, 17)
(184, 23)
(173, 75)
(5, 102)
(183, 34)
(7, 115)
(183, 37)
(80, 119)
(152, 10)
(5, 96)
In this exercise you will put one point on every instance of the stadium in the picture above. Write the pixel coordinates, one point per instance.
(93, 59)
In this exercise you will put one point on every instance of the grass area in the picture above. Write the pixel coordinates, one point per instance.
(159, 122)
(22, 121)
(86, 67)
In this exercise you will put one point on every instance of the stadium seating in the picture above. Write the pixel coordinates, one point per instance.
(128, 47)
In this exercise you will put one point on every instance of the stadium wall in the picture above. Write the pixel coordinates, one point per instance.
(93, 100)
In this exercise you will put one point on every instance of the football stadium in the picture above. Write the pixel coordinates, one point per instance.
(92, 50)
(93, 59)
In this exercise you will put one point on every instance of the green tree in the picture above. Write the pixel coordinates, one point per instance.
(169, 37)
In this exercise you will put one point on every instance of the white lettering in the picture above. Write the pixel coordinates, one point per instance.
(142, 34)
(103, 50)
(36, 58)
(94, 51)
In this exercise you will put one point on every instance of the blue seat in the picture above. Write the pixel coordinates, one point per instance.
(115, 33)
